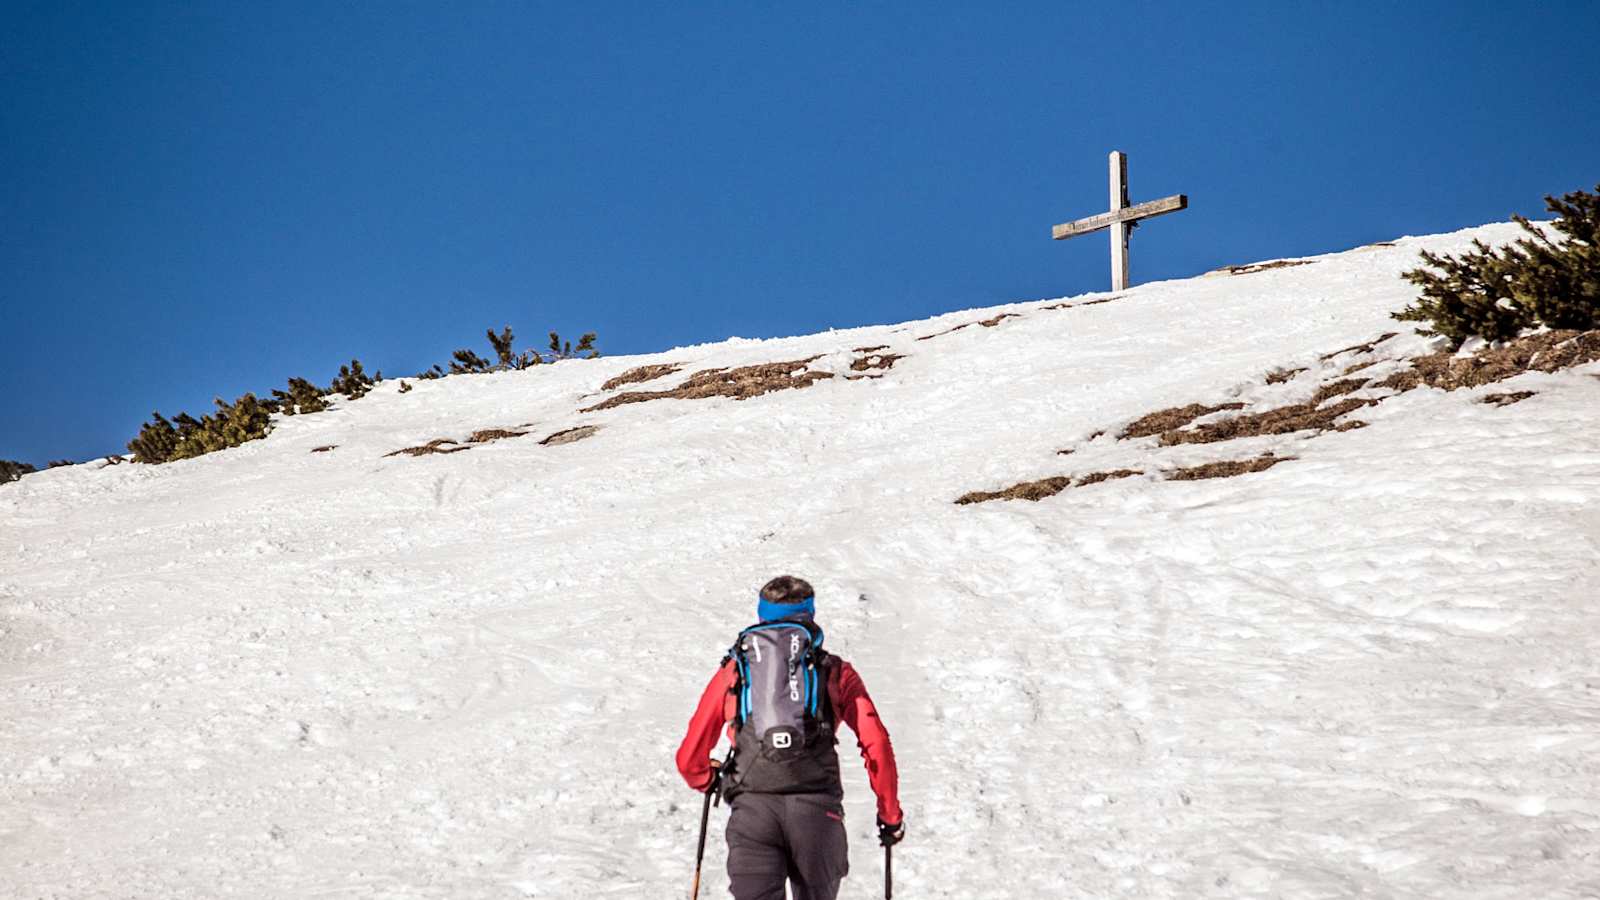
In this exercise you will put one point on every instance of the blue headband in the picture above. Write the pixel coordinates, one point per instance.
(772, 612)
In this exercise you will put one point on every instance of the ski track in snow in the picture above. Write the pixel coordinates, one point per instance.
(1366, 672)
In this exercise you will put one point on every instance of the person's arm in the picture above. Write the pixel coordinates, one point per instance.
(704, 726)
(854, 707)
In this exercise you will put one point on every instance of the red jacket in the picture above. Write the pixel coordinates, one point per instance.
(718, 706)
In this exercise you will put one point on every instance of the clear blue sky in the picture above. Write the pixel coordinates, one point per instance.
(205, 199)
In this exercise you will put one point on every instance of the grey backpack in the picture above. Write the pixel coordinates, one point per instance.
(784, 739)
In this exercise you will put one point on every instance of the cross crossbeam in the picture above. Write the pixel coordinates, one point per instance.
(1146, 210)
(1121, 219)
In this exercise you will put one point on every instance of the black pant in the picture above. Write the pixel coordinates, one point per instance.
(798, 838)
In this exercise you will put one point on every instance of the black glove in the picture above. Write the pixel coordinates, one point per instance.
(889, 835)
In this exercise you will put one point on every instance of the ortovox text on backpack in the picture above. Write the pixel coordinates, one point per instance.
(784, 729)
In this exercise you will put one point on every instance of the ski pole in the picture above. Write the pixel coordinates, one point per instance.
(705, 817)
(888, 872)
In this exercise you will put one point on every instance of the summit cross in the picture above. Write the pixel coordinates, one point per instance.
(1122, 219)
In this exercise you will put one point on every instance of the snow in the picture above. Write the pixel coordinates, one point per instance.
(269, 672)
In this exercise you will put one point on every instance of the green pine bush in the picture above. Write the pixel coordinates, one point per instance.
(248, 418)
(11, 470)
(352, 381)
(302, 397)
(465, 362)
(585, 348)
(185, 437)
(1534, 282)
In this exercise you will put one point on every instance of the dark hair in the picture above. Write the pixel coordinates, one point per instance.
(787, 589)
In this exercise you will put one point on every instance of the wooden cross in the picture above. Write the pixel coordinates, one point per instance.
(1122, 219)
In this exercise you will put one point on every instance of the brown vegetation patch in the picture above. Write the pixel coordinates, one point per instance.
(1507, 399)
(1097, 477)
(1377, 244)
(875, 361)
(1336, 389)
(493, 434)
(1550, 351)
(1282, 420)
(1172, 419)
(324, 448)
(870, 349)
(1027, 490)
(1279, 376)
(1084, 303)
(1044, 487)
(987, 323)
(1227, 468)
(740, 384)
(570, 435)
(1361, 348)
(1252, 268)
(641, 373)
(440, 445)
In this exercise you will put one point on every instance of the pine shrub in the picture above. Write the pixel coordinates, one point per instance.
(302, 397)
(465, 362)
(1537, 281)
(585, 347)
(185, 437)
(11, 470)
(352, 381)
(155, 441)
(502, 346)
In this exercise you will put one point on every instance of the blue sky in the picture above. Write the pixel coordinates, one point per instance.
(205, 199)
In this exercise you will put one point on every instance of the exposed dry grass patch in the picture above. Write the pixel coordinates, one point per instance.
(1084, 303)
(1282, 420)
(740, 384)
(570, 435)
(1550, 351)
(870, 349)
(439, 445)
(986, 323)
(1044, 487)
(1171, 419)
(1227, 468)
(1336, 389)
(324, 448)
(1097, 477)
(641, 373)
(493, 434)
(1506, 399)
(1252, 268)
(1027, 490)
(1280, 376)
(875, 361)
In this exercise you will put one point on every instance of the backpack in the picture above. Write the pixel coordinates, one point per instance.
(784, 731)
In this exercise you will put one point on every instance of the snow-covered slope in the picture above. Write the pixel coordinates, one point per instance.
(271, 672)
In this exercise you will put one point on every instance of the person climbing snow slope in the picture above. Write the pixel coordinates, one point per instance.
(782, 697)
